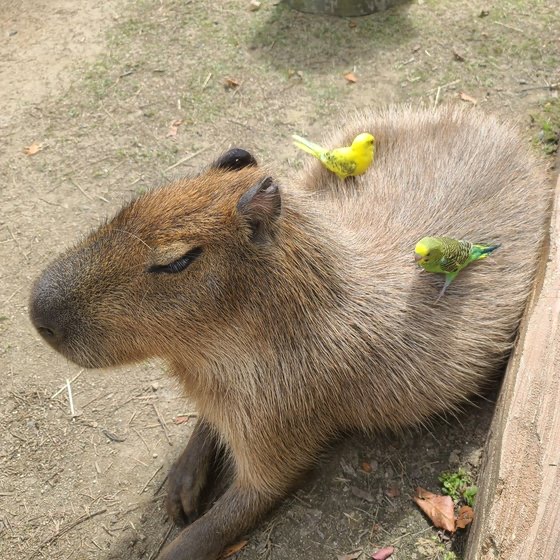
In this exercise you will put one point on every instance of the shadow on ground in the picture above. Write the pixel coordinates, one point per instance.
(340, 507)
(316, 43)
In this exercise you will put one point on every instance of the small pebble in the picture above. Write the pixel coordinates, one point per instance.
(454, 458)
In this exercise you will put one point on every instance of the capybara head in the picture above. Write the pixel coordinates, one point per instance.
(167, 263)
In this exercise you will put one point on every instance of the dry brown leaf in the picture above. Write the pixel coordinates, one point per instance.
(181, 419)
(33, 149)
(393, 491)
(351, 78)
(383, 553)
(351, 555)
(458, 57)
(366, 467)
(233, 549)
(174, 127)
(230, 83)
(466, 97)
(359, 493)
(438, 508)
(465, 517)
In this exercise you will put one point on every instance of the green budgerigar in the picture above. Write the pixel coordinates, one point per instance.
(445, 255)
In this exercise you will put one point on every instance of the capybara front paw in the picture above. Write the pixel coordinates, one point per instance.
(184, 489)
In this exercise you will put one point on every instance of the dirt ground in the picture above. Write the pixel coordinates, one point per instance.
(97, 86)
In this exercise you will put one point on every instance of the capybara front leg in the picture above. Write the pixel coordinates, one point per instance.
(190, 473)
(236, 512)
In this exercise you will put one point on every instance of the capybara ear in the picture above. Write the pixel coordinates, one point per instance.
(261, 206)
(234, 159)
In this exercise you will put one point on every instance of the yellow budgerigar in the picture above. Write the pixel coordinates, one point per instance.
(345, 162)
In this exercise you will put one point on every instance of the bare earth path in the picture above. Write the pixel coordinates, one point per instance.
(98, 85)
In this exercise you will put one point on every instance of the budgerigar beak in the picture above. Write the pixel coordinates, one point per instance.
(418, 257)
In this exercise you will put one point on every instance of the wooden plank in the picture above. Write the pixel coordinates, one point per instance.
(517, 514)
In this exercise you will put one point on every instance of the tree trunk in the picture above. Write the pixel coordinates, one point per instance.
(341, 7)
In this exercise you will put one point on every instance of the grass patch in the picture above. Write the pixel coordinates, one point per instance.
(459, 486)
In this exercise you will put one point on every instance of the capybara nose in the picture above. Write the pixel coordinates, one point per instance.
(49, 310)
(48, 333)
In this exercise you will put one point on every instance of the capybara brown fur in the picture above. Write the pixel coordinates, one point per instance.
(292, 313)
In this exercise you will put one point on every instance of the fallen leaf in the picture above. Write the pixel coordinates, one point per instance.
(393, 491)
(254, 5)
(32, 149)
(233, 549)
(366, 467)
(458, 57)
(352, 24)
(181, 419)
(466, 97)
(383, 553)
(173, 128)
(465, 517)
(351, 555)
(351, 78)
(359, 493)
(438, 508)
(230, 83)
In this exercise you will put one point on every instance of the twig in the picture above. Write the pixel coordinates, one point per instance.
(13, 294)
(143, 440)
(102, 395)
(206, 81)
(436, 100)
(163, 424)
(65, 530)
(185, 159)
(71, 381)
(445, 86)
(155, 554)
(141, 462)
(70, 399)
(17, 243)
(509, 27)
(551, 87)
(150, 479)
(244, 125)
(158, 489)
(49, 202)
(80, 188)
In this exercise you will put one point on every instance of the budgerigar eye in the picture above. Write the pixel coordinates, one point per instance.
(178, 265)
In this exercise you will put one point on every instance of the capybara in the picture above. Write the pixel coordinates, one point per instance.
(292, 313)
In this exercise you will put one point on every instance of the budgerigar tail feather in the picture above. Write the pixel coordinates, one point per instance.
(484, 250)
(307, 146)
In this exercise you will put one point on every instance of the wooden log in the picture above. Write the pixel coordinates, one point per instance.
(517, 514)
